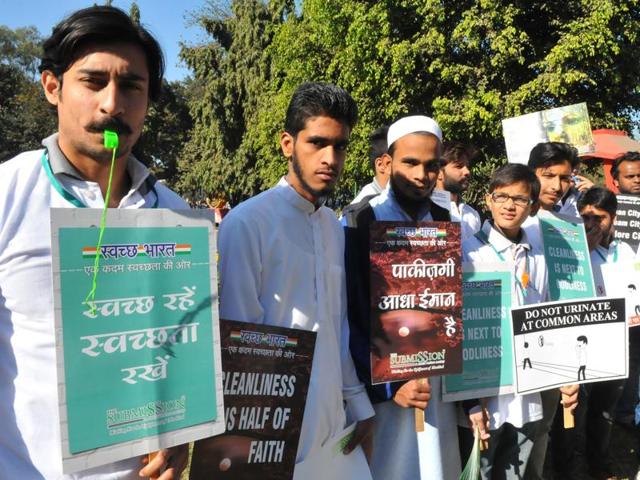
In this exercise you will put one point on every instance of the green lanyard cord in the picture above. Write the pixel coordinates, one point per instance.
(68, 196)
(90, 299)
(54, 182)
(485, 240)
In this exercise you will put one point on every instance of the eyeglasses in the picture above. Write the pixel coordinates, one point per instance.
(520, 201)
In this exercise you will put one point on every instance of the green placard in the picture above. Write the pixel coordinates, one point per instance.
(486, 349)
(126, 353)
(566, 253)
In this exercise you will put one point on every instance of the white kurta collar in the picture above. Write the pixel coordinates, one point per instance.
(294, 198)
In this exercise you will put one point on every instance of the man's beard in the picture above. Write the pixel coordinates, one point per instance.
(406, 200)
(455, 187)
(320, 194)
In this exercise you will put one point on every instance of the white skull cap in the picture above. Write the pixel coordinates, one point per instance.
(413, 124)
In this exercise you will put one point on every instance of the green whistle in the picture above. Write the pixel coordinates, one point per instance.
(110, 139)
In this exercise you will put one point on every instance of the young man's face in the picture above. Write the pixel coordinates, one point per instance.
(455, 176)
(554, 183)
(628, 181)
(598, 224)
(510, 206)
(414, 166)
(316, 156)
(107, 87)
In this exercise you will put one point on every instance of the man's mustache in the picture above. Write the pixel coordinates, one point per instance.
(112, 123)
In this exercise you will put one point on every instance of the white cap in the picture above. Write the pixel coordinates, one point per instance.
(413, 124)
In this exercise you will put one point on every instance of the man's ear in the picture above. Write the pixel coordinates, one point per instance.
(487, 200)
(383, 163)
(51, 86)
(287, 142)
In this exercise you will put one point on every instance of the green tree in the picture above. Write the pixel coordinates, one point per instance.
(468, 63)
(25, 116)
(231, 75)
(166, 130)
(134, 12)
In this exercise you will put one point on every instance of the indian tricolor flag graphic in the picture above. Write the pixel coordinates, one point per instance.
(391, 232)
(441, 232)
(235, 335)
(292, 342)
(89, 252)
(183, 248)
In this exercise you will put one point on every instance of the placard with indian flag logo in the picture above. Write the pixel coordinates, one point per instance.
(138, 351)
(416, 300)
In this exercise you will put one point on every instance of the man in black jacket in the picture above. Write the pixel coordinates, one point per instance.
(415, 150)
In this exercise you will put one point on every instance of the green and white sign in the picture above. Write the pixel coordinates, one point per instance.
(487, 355)
(566, 253)
(139, 364)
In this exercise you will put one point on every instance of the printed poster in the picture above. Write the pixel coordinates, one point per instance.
(561, 343)
(139, 365)
(416, 300)
(487, 357)
(624, 281)
(266, 374)
(566, 253)
(569, 124)
(627, 223)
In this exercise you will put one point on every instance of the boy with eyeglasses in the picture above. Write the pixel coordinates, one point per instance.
(511, 420)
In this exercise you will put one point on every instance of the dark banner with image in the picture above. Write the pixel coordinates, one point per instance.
(627, 224)
(416, 300)
(266, 373)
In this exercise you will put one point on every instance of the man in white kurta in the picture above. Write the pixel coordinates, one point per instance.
(454, 177)
(30, 436)
(282, 264)
(104, 78)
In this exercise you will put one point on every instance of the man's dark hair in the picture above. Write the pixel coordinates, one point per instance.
(514, 173)
(100, 25)
(625, 157)
(460, 152)
(314, 99)
(599, 197)
(377, 145)
(582, 338)
(547, 154)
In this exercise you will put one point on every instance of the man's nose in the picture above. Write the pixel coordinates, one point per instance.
(112, 100)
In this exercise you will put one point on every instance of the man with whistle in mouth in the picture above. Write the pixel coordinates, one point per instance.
(99, 70)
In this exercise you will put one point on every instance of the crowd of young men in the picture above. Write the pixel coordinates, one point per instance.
(287, 261)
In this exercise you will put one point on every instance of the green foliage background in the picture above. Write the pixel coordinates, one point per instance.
(467, 63)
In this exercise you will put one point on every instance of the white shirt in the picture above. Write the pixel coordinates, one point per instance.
(399, 452)
(373, 188)
(30, 433)
(516, 410)
(617, 252)
(467, 216)
(282, 263)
